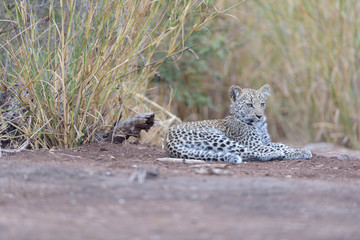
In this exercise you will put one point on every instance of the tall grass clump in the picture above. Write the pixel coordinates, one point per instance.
(75, 67)
(311, 54)
(308, 51)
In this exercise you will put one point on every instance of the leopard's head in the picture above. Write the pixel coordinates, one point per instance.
(248, 104)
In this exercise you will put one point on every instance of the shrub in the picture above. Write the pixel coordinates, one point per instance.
(76, 67)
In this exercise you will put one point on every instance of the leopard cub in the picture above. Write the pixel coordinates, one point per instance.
(242, 135)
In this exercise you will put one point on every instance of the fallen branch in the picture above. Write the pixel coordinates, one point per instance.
(130, 127)
(180, 160)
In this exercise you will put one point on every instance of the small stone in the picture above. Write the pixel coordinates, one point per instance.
(343, 157)
(194, 196)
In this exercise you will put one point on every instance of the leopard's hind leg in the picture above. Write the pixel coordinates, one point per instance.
(202, 145)
(180, 151)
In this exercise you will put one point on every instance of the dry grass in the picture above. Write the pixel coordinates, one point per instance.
(313, 63)
(80, 65)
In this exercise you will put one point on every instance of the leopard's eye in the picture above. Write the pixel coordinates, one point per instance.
(262, 104)
(250, 105)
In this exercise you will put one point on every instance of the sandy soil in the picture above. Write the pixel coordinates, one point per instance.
(85, 193)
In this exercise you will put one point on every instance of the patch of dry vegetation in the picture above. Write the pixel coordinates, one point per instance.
(74, 68)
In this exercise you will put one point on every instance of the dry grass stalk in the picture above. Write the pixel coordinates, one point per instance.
(77, 64)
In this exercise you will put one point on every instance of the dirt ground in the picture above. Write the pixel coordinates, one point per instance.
(93, 192)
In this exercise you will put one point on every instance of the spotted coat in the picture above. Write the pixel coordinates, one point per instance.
(242, 135)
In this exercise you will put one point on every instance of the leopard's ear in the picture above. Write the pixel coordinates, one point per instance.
(265, 90)
(235, 92)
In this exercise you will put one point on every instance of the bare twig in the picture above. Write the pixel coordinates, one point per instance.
(117, 121)
(173, 117)
(25, 144)
(180, 160)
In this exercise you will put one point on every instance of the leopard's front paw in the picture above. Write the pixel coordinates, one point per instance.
(306, 154)
(234, 159)
(282, 155)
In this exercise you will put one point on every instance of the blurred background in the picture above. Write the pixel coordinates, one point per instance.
(307, 51)
(182, 65)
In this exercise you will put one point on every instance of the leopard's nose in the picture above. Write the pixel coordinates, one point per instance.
(259, 116)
